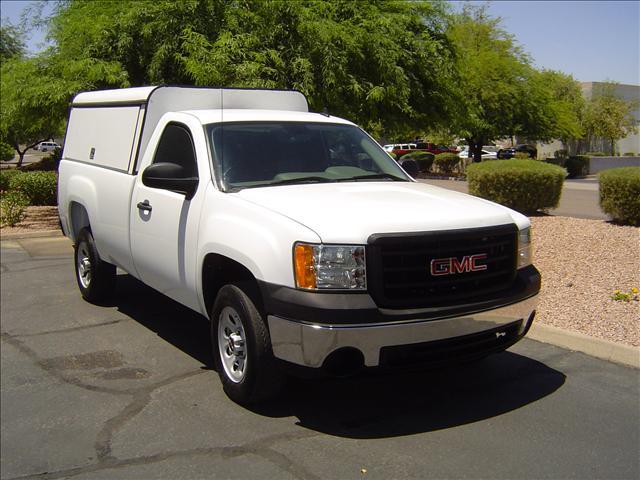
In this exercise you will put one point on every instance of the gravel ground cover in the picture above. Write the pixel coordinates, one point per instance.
(582, 263)
(37, 219)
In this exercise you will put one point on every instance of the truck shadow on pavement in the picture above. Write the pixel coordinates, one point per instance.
(369, 406)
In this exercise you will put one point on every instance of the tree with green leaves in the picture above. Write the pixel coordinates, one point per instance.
(385, 64)
(608, 116)
(11, 44)
(500, 93)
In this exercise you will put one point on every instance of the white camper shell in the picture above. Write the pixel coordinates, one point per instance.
(112, 128)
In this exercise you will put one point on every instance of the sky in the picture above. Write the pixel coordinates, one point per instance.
(591, 40)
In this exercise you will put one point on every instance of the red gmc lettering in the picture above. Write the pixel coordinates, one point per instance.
(451, 265)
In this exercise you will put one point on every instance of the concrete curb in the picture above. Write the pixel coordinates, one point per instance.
(579, 342)
(39, 234)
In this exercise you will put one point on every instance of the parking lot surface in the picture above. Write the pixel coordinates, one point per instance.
(127, 390)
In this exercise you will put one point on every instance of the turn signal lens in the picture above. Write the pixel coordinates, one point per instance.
(329, 267)
(525, 254)
(304, 266)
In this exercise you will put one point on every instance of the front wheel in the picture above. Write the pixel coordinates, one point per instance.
(242, 348)
(96, 278)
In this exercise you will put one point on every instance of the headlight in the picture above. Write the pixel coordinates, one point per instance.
(320, 267)
(525, 255)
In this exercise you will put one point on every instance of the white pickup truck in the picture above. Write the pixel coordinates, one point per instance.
(305, 244)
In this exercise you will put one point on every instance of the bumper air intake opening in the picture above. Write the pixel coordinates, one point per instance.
(344, 362)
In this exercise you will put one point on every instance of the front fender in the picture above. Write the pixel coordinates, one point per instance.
(257, 238)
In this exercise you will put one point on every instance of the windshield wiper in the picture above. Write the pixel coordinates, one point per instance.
(374, 176)
(310, 179)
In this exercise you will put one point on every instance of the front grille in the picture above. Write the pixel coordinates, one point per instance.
(451, 350)
(398, 266)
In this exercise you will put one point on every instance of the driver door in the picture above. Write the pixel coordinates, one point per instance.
(164, 223)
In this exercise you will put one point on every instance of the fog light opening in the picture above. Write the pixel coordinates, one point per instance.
(344, 362)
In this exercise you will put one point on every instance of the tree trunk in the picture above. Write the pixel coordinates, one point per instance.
(21, 157)
(477, 151)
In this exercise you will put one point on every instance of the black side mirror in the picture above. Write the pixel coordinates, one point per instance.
(169, 176)
(410, 166)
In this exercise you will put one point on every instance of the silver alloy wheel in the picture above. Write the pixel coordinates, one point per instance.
(232, 344)
(83, 264)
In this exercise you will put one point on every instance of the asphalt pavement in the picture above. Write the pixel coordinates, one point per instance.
(127, 390)
(579, 197)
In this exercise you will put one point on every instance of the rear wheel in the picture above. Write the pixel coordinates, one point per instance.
(96, 278)
(242, 348)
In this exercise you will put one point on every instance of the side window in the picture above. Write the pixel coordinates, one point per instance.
(176, 146)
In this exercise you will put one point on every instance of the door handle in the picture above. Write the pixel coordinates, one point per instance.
(144, 206)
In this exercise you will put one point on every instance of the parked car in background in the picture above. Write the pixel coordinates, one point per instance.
(402, 148)
(47, 146)
(486, 155)
(505, 153)
(435, 148)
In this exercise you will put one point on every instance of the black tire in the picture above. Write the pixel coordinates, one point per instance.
(96, 278)
(260, 378)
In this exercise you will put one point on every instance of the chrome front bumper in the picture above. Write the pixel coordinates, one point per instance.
(309, 344)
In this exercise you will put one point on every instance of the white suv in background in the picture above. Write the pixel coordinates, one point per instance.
(47, 146)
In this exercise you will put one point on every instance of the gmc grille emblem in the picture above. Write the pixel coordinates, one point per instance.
(451, 265)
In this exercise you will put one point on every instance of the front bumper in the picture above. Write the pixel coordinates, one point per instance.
(308, 342)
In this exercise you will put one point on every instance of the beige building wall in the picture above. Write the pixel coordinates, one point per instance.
(631, 143)
(629, 93)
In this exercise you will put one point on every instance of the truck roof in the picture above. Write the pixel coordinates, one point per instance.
(248, 115)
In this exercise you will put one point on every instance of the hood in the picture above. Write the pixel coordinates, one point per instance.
(351, 212)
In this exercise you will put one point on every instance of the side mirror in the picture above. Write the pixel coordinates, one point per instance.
(410, 166)
(169, 176)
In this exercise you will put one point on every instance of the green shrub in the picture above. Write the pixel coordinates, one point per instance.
(629, 154)
(393, 155)
(423, 159)
(6, 152)
(559, 161)
(524, 185)
(39, 187)
(596, 154)
(521, 155)
(5, 177)
(47, 164)
(620, 194)
(577, 166)
(446, 162)
(13, 206)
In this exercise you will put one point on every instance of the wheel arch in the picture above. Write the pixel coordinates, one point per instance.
(219, 270)
(78, 219)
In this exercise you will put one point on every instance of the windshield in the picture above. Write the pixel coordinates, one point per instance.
(260, 154)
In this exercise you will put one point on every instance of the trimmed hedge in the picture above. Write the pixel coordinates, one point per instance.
(524, 185)
(5, 177)
(423, 159)
(620, 194)
(41, 188)
(577, 165)
(446, 162)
